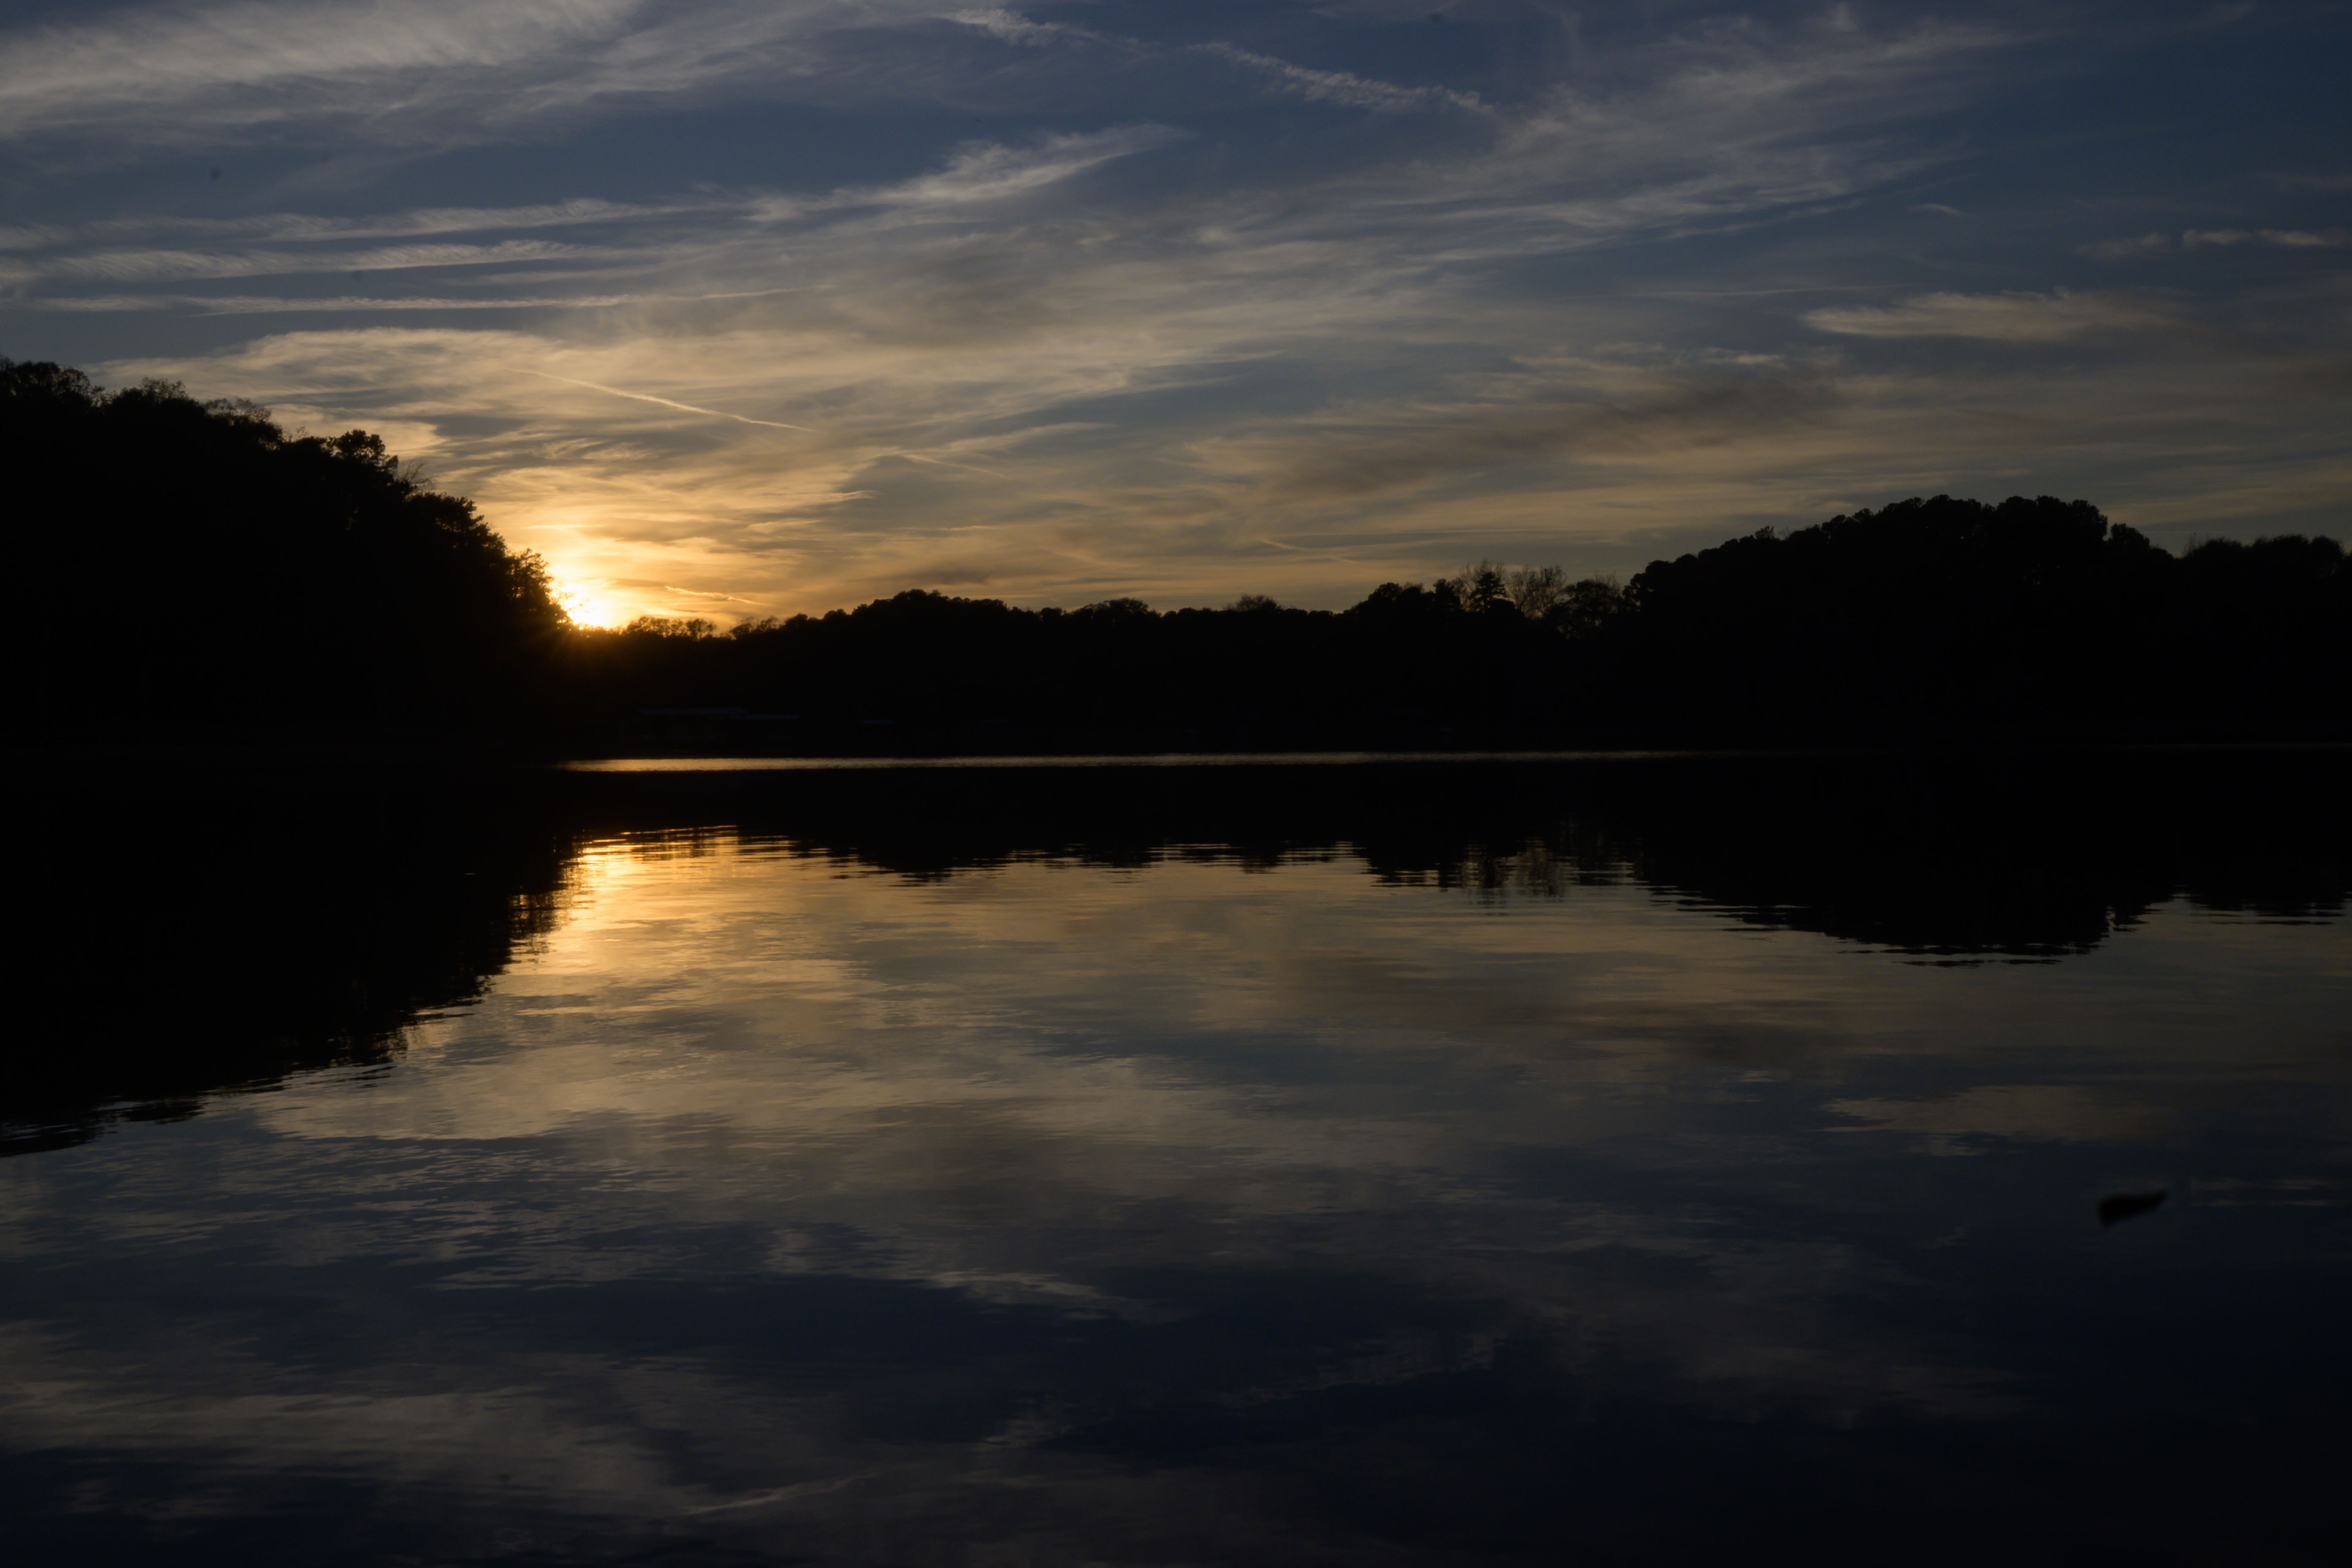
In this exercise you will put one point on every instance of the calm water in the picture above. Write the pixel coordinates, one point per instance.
(1648, 1162)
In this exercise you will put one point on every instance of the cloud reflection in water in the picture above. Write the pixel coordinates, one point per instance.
(1208, 1206)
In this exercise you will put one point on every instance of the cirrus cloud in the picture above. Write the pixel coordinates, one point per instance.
(2012, 318)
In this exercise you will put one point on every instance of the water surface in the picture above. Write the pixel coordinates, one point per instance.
(1646, 1160)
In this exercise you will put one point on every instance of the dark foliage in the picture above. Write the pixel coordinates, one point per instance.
(1925, 620)
(1407, 662)
(200, 568)
(1944, 616)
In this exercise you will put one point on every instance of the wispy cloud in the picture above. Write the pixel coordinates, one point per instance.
(325, 304)
(2018, 318)
(993, 172)
(1594, 412)
(1013, 28)
(2292, 238)
(31, 237)
(2210, 239)
(398, 70)
(666, 401)
(286, 227)
(1342, 88)
(240, 62)
(125, 266)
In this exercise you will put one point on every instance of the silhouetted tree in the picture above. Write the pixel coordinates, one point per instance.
(1587, 608)
(199, 566)
(1942, 616)
(1481, 589)
(1533, 590)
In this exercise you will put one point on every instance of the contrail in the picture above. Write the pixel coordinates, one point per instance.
(946, 463)
(671, 403)
(1302, 550)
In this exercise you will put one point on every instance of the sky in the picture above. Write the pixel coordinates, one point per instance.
(736, 308)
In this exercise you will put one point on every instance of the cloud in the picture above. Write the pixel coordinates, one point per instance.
(399, 70)
(324, 304)
(2016, 318)
(993, 171)
(2212, 238)
(1014, 28)
(299, 226)
(1339, 88)
(139, 266)
(1344, 90)
(31, 237)
(234, 62)
(2136, 244)
(2290, 238)
(1369, 450)
(668, 403)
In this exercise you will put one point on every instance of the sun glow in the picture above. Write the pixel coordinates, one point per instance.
(587, 604)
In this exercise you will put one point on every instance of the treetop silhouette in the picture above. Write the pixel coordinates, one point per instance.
(206, 568)
(200, 565)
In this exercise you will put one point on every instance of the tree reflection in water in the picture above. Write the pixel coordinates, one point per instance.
(225, 931)
(1409, 1164)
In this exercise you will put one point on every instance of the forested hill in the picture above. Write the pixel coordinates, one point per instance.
(195, 569)
(1923, 620)
(183, 564)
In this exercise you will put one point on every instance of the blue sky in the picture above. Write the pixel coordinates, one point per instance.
(731, 308)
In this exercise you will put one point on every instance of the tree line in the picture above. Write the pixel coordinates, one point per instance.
(193, 566)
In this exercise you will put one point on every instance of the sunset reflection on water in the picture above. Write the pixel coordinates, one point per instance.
(1215, 1205)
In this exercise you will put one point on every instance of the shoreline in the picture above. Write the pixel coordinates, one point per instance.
(443, 754)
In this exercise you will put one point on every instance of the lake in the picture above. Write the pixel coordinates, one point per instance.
(1666, 1160)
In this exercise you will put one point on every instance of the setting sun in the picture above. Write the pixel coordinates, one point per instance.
(587, 604)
